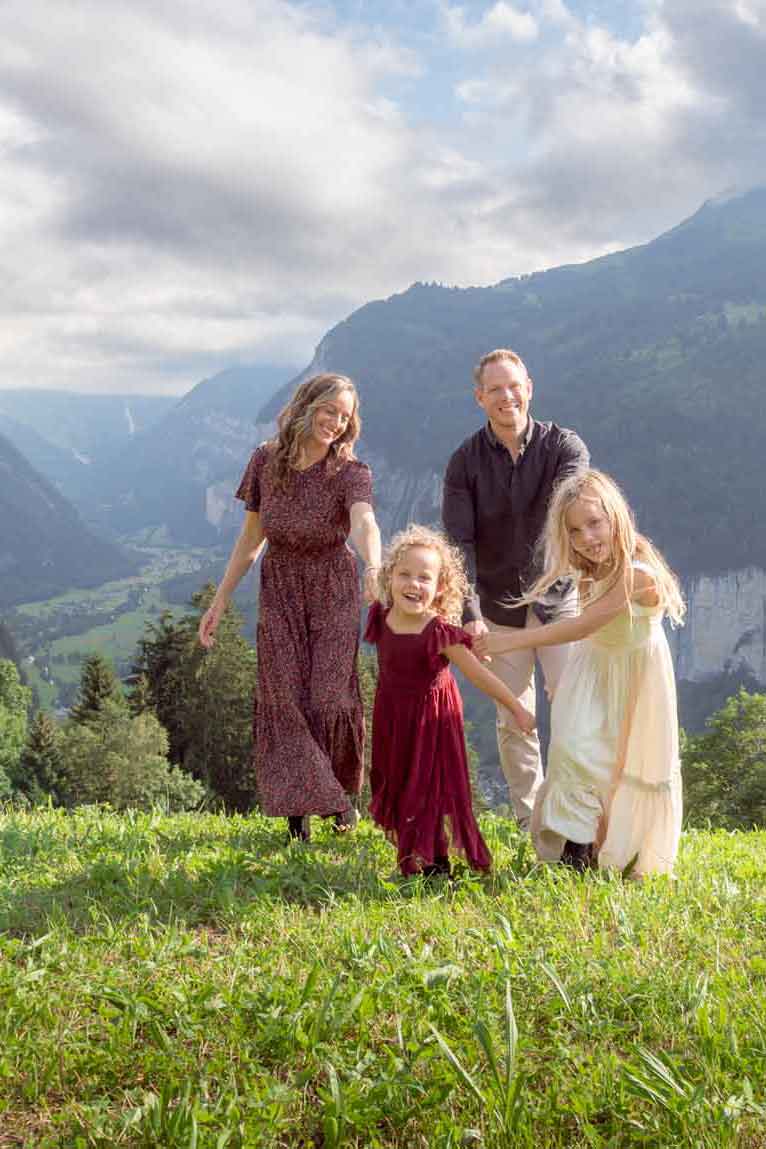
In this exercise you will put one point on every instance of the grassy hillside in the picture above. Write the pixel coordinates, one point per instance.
(193, 981)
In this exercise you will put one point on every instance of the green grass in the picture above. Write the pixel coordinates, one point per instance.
(194, 981)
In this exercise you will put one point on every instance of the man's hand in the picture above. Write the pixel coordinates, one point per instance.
(500, 642)
(477, 628)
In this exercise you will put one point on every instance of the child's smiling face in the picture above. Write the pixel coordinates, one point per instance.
(415, 580)
(590, 532)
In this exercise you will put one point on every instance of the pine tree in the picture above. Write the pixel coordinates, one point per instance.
(98, 685)
(116, 758)
(163, 656)
(39, 770)
(14, 703)
(140, 696)
(219, 719)
(724, 768)
(203, 698)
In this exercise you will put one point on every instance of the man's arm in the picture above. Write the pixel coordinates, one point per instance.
(574, 456)
(459, 519)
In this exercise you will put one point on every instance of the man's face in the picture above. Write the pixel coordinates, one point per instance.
(504, 395)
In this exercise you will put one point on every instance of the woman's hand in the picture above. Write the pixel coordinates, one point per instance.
(370, 585)
(209, 623)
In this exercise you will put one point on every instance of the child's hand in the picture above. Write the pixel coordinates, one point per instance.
(524, 720)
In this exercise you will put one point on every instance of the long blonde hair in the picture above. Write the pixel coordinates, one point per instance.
(452, 588)
(295, 420)
(561, 560)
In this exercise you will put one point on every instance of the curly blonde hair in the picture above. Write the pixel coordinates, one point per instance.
(561, 560)
(453, 586)
(295, 420)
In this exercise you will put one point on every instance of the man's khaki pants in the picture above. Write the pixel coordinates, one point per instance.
(520, 753)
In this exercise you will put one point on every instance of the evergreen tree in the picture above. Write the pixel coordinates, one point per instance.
(14, 704)
(116, 758)
(98, 685)
(38, 773)
(140, 696)
(163, 658)
(203, 698)
(8, 648)
(724, 768)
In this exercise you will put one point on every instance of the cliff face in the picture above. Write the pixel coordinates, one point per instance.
(725, 631)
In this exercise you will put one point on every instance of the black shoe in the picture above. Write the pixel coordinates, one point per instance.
(299, 826)
(578, 856)
(345, 822)
(440, 868)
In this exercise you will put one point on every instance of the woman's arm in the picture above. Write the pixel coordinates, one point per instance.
(244, 553)
(469, 665)
(365, 536)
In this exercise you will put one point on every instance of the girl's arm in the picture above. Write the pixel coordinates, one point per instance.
(244, 553)
(467, 662)
(593, 618)
(365, 536)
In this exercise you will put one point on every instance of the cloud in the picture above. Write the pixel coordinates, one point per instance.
(614, 139)
(502, 22)
(186, 186)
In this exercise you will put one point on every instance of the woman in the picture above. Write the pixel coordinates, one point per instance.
(305, 494)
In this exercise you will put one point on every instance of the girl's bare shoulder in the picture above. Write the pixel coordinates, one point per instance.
(644, 585)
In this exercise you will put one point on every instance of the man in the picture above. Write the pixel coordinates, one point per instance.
(496, 492)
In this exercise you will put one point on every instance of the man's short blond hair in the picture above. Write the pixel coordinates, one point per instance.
(496, 356)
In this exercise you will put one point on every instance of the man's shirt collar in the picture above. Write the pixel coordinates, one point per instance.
(495, 442)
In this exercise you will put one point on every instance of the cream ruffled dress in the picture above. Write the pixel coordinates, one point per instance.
(614, 775)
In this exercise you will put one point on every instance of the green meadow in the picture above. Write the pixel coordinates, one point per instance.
(194, 981)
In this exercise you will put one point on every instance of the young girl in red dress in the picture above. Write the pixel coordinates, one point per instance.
(421, 793)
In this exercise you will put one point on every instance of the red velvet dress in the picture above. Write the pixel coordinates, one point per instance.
(421, 792)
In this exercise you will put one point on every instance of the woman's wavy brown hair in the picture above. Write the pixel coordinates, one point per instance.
(294, 426)
(453, 587)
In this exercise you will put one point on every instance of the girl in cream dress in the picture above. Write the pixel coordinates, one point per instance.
(612, 791)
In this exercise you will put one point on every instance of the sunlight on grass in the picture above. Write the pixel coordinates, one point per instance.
(195, 980)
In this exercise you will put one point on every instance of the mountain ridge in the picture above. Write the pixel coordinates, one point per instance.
(47, 548)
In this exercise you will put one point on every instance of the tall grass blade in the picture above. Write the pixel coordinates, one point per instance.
(457, 1065)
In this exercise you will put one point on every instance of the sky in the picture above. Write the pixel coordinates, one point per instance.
(188, 185)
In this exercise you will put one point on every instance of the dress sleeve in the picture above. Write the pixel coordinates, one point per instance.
(249, 489)
(358, 484)
(443, 634)
(375, 617)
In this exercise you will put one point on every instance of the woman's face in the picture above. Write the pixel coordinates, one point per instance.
(331, 418)
(590, 532)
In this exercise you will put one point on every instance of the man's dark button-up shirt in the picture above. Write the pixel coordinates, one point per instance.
(494, 509)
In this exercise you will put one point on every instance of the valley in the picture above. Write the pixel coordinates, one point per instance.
(55, 635)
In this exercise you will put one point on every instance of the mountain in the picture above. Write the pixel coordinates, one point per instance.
(656, 355)
(88, 427)
(177, 476)
(65, 435)
(46, 548)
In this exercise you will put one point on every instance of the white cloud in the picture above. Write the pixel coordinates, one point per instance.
(501, 23)
(184, 186)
